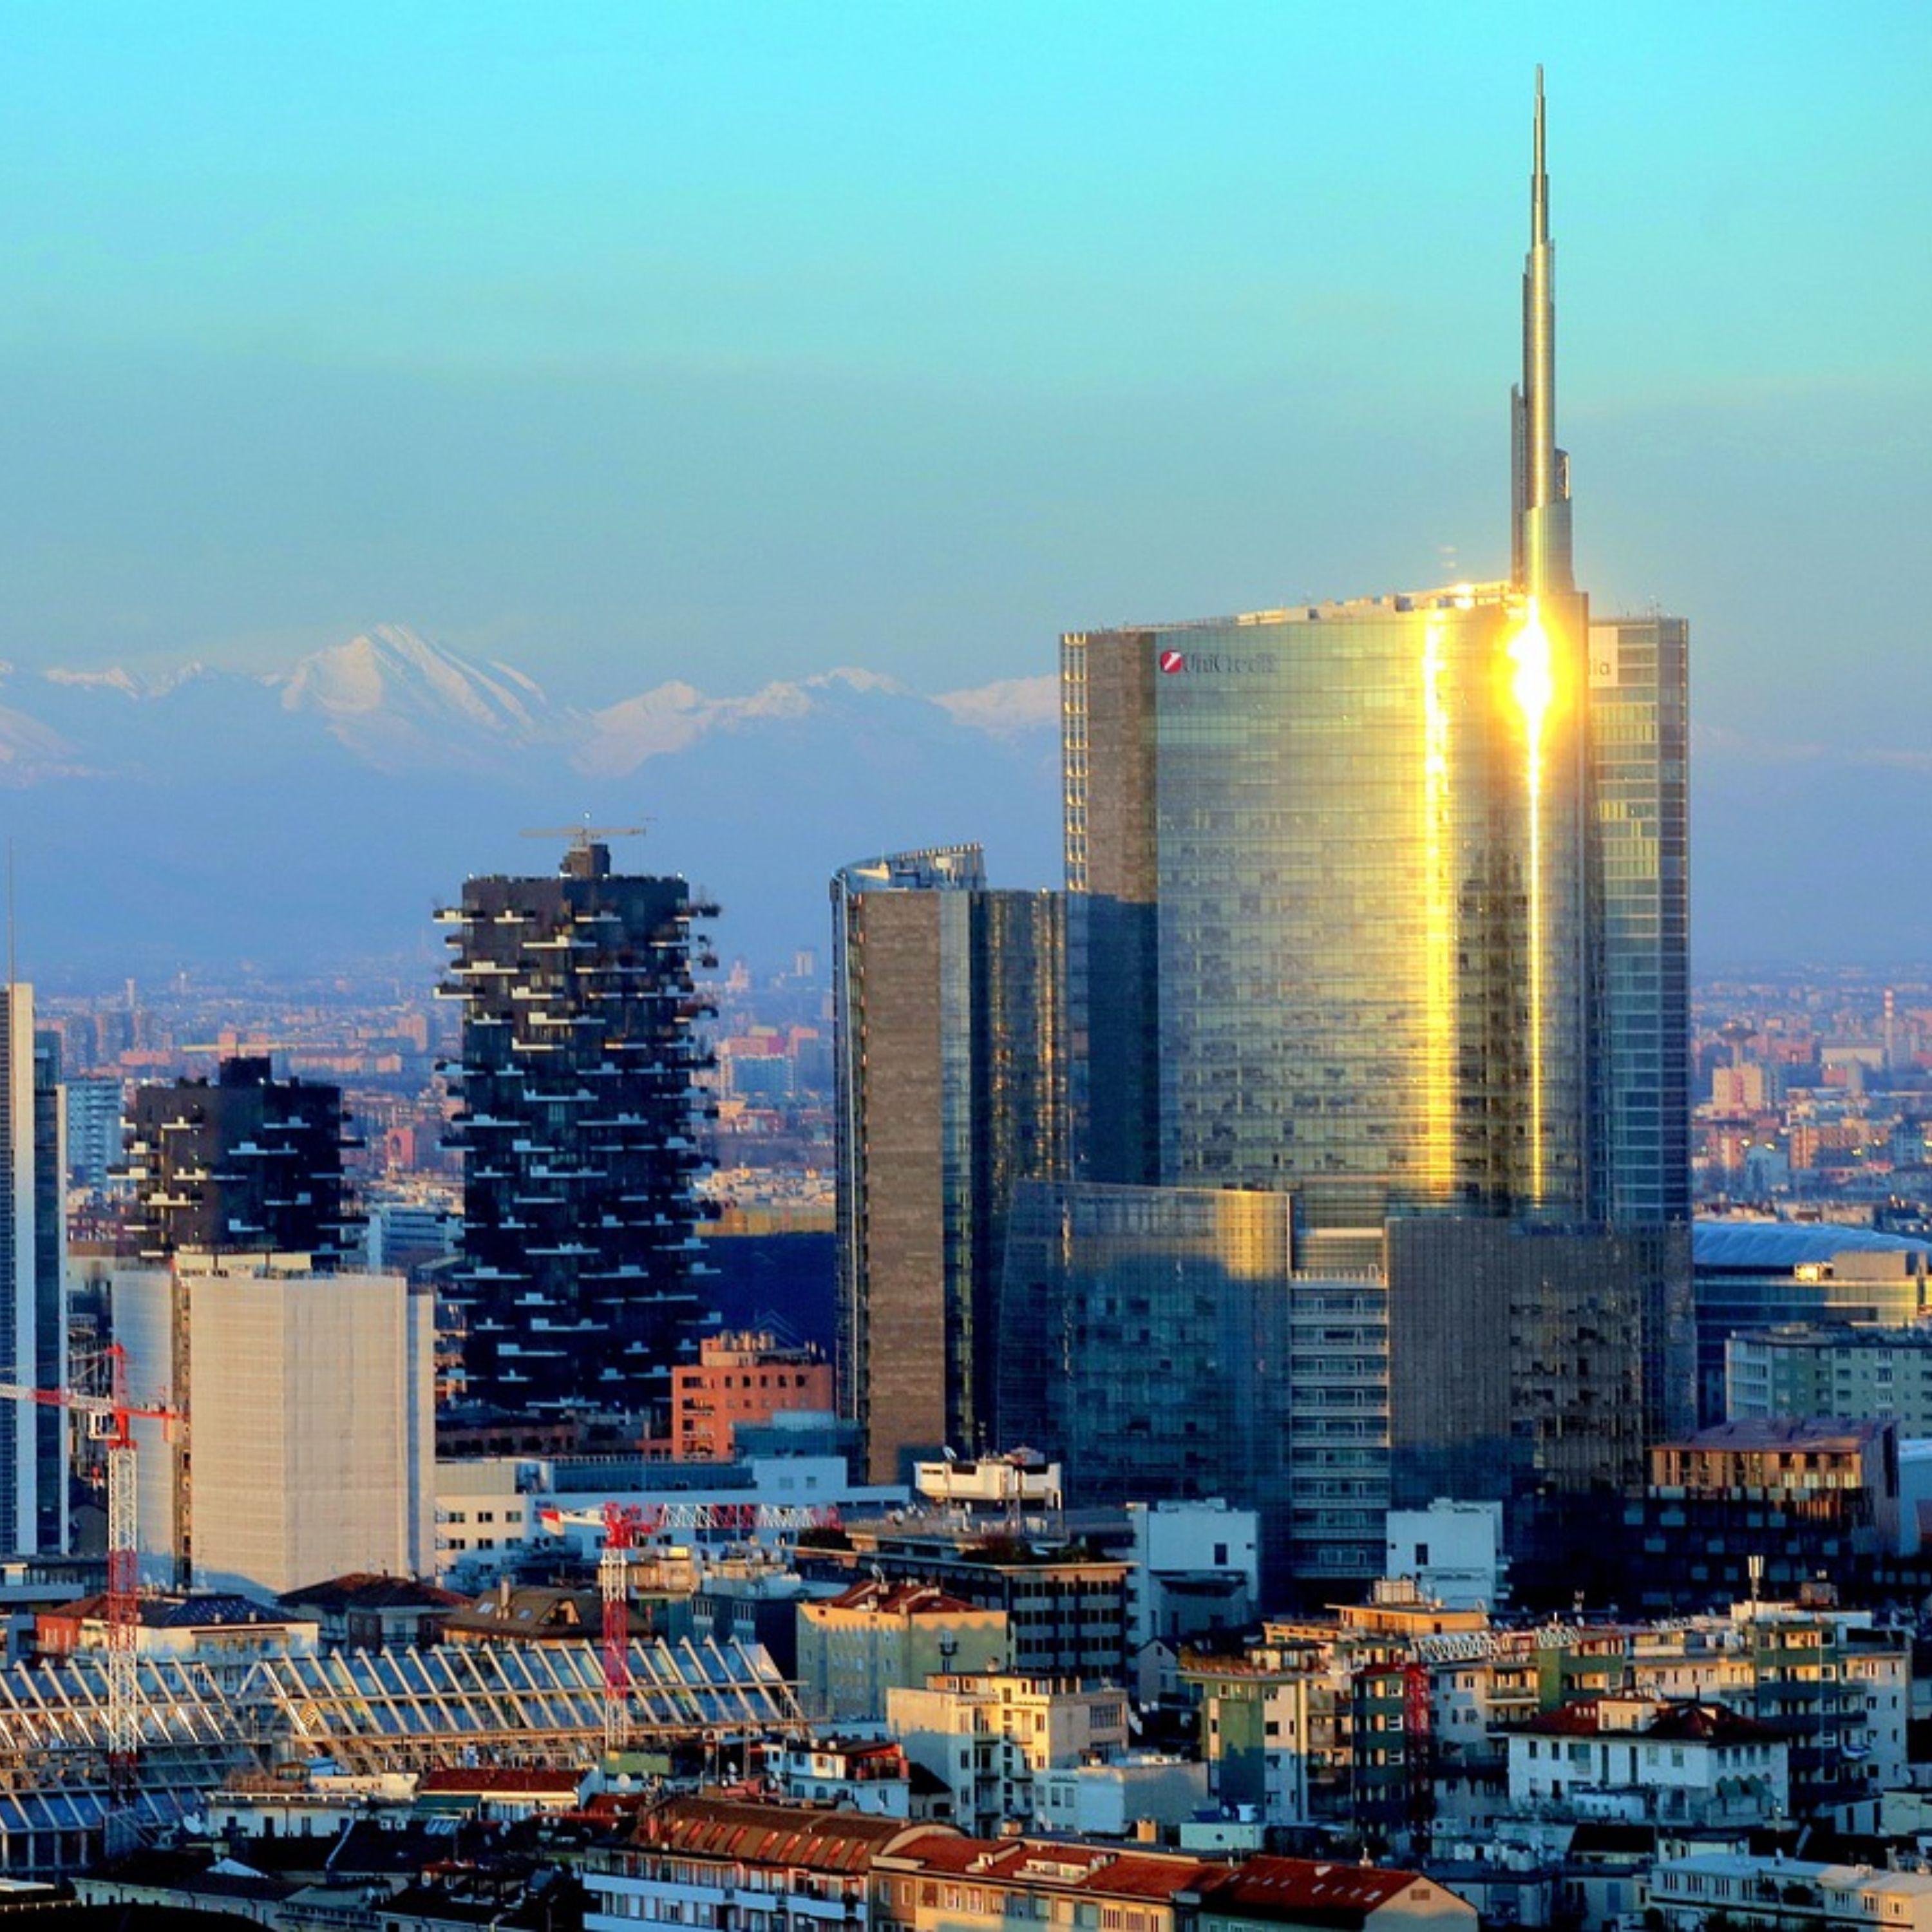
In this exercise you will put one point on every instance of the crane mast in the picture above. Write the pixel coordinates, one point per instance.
(110, 1419)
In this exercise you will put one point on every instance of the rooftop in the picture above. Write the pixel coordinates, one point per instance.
(1306, 1890)
(765, 1834)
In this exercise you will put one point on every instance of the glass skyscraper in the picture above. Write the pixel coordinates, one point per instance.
(1639, 759)
(951, 1080)
(1355, 836)
(1377, 910)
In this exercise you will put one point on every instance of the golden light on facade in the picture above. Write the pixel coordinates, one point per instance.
(1438, 923)
(1533, 688)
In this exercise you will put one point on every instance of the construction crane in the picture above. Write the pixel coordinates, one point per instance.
(582, 837)
(110, 1418)
(622, 1525)
(626, 1527)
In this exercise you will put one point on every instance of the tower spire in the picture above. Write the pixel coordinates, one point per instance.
(1540, 549)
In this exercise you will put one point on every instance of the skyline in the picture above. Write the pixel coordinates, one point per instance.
(643, 345)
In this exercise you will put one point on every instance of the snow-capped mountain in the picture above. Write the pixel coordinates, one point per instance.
(396, 701)
(322, 810)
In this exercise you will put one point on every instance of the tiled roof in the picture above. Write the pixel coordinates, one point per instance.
(903, 1600)
(1305, 1890)
(362, 1590)
(486, 1780)
(1688, 1721)
(804, 1837)
(1079, 1867)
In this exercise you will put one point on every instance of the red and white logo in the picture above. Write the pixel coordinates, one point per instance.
(1173, 661)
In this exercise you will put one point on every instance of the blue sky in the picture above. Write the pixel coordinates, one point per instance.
(728, 342)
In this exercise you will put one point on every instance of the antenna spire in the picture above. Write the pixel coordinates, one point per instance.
(1540, 559)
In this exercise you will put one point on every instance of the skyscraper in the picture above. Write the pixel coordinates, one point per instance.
(951, 1089)
(1379, 905)
(578, 1274)
(246, 1164)
(1639, 759)
(33, 1272)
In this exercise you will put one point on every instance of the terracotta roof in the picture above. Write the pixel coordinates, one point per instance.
(903, 1600)
(804, 1837)
(488, 1780)
(1079, 1867)
(362, 1590)
(1305, 1890)
(1683, 1722)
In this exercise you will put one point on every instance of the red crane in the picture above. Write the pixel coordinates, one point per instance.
(626, 1526)
(110, 1418)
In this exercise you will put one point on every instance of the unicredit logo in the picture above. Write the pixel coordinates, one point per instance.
(1225, 661)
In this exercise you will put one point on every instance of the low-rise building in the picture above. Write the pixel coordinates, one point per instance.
(855, 1647)
(757, 1867)
(223, 1634)
(1788, 1894)
(1196, 1570)
(1636, 1759)
(1122, 1797)
(986, 1885)
(365, 1612)
(989, 1737)
(869, 1775)
(1271, 1895)
(742, 1378)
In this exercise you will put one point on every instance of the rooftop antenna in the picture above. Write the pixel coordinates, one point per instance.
(13, 978)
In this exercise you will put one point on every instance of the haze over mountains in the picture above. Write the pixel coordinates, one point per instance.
(314, 818)
(317, 817)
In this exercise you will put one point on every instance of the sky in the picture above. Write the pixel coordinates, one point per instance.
(729, 342)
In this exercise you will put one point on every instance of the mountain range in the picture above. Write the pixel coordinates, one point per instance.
(316, 816)
(313, 818)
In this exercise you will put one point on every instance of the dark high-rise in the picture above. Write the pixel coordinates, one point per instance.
(577, 1279)
(245, 1163)
(33, 1280)
(951, 1090)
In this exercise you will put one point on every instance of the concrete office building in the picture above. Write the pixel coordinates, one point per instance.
(1864, 1374)
(578, 1273)
(950, 1091)
(33, 1272)
(307, 1449)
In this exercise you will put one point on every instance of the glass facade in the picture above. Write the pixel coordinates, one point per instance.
(1165, 1340)
(1347, 846)
(951, 1089)
(33, 1279)
(1639, 755)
